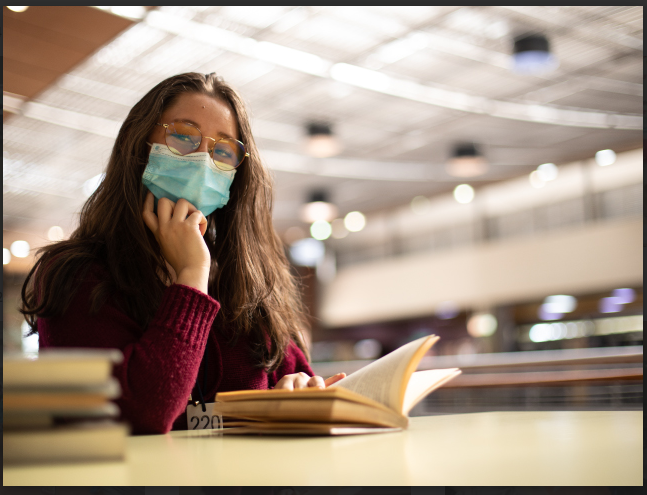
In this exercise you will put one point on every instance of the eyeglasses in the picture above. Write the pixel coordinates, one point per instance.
(183, 138)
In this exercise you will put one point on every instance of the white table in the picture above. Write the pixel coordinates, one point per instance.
(494, 448)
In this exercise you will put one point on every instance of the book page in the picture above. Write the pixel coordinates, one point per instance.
(385, 380)
(422, 383)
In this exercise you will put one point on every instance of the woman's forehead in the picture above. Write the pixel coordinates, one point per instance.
(213, 116)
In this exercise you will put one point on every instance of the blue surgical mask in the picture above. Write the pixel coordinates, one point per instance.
(193, 177)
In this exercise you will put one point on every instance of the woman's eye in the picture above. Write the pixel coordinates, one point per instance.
(223, 153)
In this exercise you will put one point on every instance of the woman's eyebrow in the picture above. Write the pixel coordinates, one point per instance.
(222, 134)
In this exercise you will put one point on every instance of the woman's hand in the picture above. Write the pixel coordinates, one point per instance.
(178, 228)
(302, 380)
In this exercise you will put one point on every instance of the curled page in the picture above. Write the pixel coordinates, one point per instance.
(385, 380)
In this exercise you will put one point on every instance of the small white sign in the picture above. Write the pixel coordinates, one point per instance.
(197, 419)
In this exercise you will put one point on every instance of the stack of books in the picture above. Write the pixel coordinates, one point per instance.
(374, 399)
(56, 407)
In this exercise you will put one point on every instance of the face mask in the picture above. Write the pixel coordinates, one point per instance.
(193, 177)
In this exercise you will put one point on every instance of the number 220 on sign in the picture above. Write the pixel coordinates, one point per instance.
(197, 419)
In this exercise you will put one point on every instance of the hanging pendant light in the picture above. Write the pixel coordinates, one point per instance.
(321, 141)
(317, 208)
(532, 55)
(466, 161)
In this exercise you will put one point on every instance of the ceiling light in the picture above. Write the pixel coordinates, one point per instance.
(402, 47)
(289, 57)
(531, 55)
(320, 230)
(547, 171)
(605, 157)
(133, 12)
(91, 185)
(17, 9)
(307, 252)
(55, 233)
(318, 207)
(354, 221)
(20, 249)
(73, 120)
(464, 193)
(466, 161)
(6, 256)
(361, 77)
(321, 141)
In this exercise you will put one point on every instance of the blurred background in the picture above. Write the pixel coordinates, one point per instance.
(469, 172)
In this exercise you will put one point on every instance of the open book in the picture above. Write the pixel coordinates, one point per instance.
(375, 398)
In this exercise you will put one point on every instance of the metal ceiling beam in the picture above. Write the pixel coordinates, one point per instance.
(379, 82)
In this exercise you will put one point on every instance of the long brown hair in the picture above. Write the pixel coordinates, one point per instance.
(250, 274)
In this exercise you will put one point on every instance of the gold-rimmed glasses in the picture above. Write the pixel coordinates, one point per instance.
(183, 138)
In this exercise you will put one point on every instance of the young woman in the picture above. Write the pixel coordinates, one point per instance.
(176, 263)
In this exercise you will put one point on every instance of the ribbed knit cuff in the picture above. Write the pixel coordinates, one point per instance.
(188, 312)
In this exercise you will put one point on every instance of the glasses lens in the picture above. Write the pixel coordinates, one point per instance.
(182, 138)
(228, 154)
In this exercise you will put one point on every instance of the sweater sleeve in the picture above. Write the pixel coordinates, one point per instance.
(160, 364)
(293, 362)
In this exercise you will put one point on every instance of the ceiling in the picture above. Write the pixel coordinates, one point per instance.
(433, 76)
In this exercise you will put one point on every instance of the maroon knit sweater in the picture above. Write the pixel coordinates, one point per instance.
(162, 363)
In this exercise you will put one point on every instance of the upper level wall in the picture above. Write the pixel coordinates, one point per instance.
(595, 257)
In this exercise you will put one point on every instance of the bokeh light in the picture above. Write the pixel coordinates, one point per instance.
(447, 310)
(547, 171)
(605, 157)
(536, 179)
(320, 230)
(20, 249)
(367, 349)
(55, 233)
(481, 325)
(464, 193)
(307, 252)
(355, 221)
(624, 296)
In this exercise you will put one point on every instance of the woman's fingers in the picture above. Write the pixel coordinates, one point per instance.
(165, 209)
(182, 210)
(150, 219)
(185, 210)
(197, 218)
(334, 379)
(285, 383)
(301, 380)
(316, 381)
